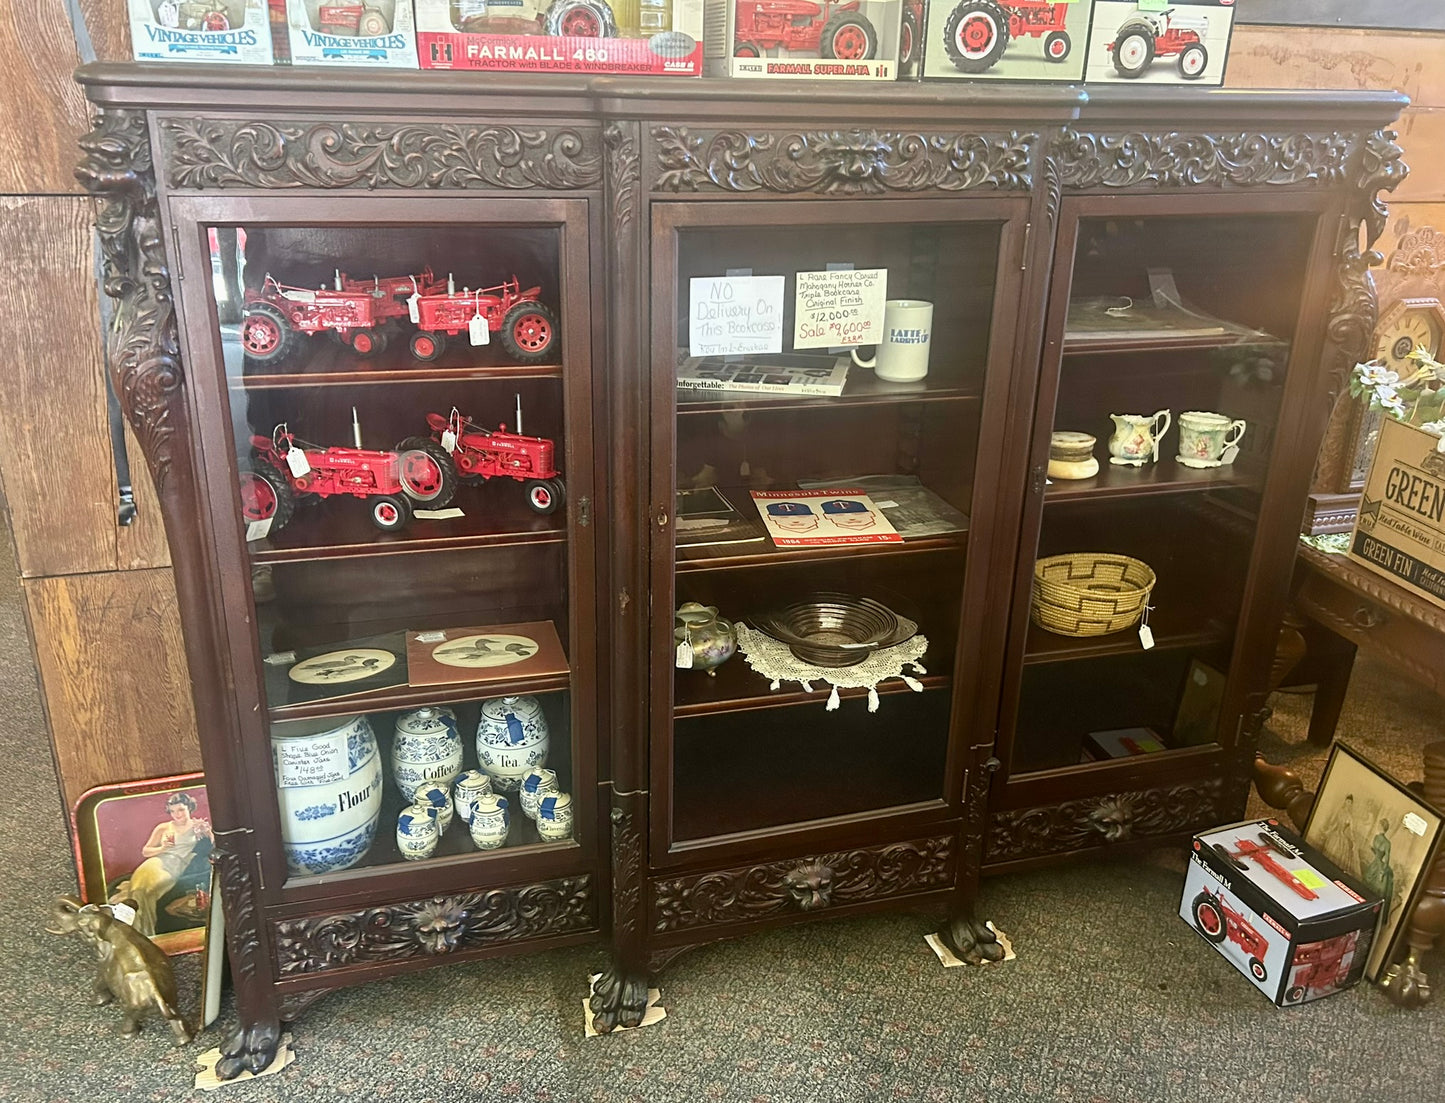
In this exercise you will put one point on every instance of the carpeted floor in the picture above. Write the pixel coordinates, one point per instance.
(1112, 996)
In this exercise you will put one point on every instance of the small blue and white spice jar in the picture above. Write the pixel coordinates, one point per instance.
(554, 817)
(416, 832)
(491, 820)
(470, 785)
(439, 799)
(537, 783)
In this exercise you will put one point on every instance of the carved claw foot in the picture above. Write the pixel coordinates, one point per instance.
(618, 999)
(1406, 983)
(251, 1049)
(971, 940)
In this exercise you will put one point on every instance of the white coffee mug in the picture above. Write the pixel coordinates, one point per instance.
(902, 355)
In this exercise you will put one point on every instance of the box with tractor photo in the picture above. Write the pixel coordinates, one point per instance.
(213, 31)
(1290, 920)
(1151, 42)
(352, 32)
(1032, 40)
(814, 39)
(639, 37)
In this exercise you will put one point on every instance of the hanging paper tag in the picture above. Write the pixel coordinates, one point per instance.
(124, 912)
(1146, 636)
(449, 440)
(412, 309)
(477, 330)
(258, 530)
(684, 656)
(1230, 455)
(298, 463)
(431, 637)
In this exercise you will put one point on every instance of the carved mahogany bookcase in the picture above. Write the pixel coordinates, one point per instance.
(710, 806)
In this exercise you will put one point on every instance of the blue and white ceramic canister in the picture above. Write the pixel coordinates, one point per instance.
(554, 817)
(426, 749)
(470, 785)
(511, 739)
(328, 786)
(536, 784)
(416, 832)
(491, 819)
(439, 799)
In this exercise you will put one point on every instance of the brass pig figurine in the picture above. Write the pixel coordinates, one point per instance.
(129, 967)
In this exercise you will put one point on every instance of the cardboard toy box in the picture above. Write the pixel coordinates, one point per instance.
(237, 31)
(352, 32)
(1151, 42)
(814, 39)
(1006, 40)
(1400, 529)
(641, 37)
(1287, 917)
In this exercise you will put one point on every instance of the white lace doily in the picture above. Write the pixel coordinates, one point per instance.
(775, 662)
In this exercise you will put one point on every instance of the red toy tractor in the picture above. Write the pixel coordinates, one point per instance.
(283, 469)
(977, 32)
(527, 327)
(361, 313)
(352, 19)
(1217, 921)
(481, 453)
(1320, 967)
(1146, 35)
(834, 30)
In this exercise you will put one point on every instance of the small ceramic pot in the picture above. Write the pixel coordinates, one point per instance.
(554, 817)
(491, 819)
(1207, 439)
(511, 739)
(439, 799)
(470, 785)
(328, 785)
(537, 783)
(426, 749)
(1071, 456)
(704, 640)
(416, 832)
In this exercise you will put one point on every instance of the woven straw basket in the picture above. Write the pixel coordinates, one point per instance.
(1089, 593)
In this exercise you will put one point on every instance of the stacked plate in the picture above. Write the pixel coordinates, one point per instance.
(828, 629)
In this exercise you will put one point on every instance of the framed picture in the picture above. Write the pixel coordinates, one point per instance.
(1371, 826)
(1197, 720)
(150, 843)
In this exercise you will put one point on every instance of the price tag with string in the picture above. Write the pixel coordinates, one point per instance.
(1146, 634)
(298, 463)
(477, 330)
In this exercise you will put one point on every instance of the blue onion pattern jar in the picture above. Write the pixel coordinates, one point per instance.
(426, 749)
(511, 739)
(328, 786)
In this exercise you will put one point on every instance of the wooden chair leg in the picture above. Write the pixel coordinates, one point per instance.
(1335, 657)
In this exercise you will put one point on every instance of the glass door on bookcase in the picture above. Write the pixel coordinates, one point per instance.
(1169, 353)
(409, 405)
(821, 508)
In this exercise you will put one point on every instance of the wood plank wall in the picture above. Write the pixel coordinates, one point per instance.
(100, 599)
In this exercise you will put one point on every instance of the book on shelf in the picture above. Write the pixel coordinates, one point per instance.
(782, 374)
(706, 518)
(912, 509)
(1112, 317)
(823, 517)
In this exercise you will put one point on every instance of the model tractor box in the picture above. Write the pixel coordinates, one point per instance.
(237, 31)
(1150, 42)
(352, 32)
(1006, 40)
(816, 39)
(1282, 913)
(640, 37)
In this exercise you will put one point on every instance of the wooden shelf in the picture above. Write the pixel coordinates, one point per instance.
(863, 389)
(1168, 476)
(763, 553)
(322, 362)
(405, 697)
(1173, 627)
(497, 515)
(1124, 343)
(736, 687)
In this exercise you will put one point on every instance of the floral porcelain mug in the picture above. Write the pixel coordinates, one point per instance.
(1208, 439)
(1136, 437)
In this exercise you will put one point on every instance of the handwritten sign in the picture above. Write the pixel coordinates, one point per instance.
(836, 309)
(735, 315)
(319, 761)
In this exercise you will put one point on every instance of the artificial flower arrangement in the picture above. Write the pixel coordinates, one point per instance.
(1418, 399)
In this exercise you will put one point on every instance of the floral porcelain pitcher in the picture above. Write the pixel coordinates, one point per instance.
(1136, 437)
